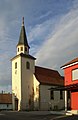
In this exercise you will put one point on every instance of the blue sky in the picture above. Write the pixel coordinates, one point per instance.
(51, 28)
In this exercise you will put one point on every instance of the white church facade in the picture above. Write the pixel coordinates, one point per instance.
(31, 84)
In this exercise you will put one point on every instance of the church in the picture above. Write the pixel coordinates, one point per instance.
(31, 84)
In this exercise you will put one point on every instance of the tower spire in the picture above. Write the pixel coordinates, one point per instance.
(23, 39)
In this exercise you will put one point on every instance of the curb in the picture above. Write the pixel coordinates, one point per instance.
(58, 117)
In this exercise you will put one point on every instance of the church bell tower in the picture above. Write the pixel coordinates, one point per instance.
(22, 46)
(23, 68)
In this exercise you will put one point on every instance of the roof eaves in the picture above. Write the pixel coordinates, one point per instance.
(70, 63)
(27, 56)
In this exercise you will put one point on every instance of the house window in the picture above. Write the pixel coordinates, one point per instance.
(16, 65)
(51, 94)
(27, 65)
(21, 48)
(61, 94)
(7, 105)
(75, 74)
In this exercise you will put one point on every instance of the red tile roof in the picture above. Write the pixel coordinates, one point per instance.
(5, 98)
(71, 62)
(48, 76)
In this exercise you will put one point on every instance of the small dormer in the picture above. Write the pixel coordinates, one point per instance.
(22, 46)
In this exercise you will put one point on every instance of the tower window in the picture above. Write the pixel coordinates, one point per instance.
(61, 94)
(52, 94)
(16, 65)
(27, 65)
(25, 49)
(18, 49)
(21, 48)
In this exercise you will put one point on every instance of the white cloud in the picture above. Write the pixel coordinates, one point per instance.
(39, 31)
(52, 41)
(45, 15)
(39, 34)
(62, 44)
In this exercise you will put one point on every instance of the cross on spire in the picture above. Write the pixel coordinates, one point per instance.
(23, 21)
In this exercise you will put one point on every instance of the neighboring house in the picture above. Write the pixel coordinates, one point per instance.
(71, 82)
(49, 99)
(31, 84)
(5, 101)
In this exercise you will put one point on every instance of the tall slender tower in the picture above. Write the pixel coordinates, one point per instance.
(23, 67)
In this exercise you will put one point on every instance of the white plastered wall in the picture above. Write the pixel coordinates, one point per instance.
(46, 103)
(36, 93)
(16, 80)
(27, 84)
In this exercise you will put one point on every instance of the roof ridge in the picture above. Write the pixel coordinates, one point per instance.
(46, 68)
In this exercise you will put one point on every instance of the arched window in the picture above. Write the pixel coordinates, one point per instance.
(18, 49)
(15, 65)
(21, 48)
(27, 65)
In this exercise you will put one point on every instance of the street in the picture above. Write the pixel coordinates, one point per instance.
(10, 115)
(6, 115)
